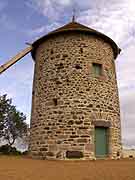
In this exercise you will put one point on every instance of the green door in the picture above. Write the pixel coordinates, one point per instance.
(101, 144)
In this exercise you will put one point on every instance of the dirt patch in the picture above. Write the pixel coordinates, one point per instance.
(18, 168)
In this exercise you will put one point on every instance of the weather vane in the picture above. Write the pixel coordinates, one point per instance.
(74, 15)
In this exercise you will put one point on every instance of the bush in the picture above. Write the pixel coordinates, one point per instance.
(25, 153)
(7, 150)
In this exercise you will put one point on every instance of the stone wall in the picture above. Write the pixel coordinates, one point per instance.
(69, 101)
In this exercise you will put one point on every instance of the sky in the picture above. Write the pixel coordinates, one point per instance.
(23, 21)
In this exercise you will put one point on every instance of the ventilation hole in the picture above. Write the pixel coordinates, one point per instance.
(67, 80)
(60, 66)
(90, 105)
(60, 94)
(51, 51)
(81, 50)
(77, 66)
(65, 55)
(58, 82)
(55, 101)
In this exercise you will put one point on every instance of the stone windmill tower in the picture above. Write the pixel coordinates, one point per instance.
(75, 104)
(75, 107)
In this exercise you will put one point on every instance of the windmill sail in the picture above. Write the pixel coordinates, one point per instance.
(16, 58)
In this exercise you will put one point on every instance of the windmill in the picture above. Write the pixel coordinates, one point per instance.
(74, 80)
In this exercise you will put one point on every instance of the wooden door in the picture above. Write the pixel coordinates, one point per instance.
(101, 142)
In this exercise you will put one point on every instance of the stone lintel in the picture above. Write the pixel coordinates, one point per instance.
(101, 123)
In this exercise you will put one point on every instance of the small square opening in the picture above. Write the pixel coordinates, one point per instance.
(97, 69)
(55, 101)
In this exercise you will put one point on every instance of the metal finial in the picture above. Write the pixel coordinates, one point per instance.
(73, 18)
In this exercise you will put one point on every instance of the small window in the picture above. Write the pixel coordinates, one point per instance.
(97, 69)
(55, 101)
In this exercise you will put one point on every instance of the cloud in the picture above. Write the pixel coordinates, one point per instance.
(36, 31)
(17, 84)
(49, 8)
(115, 18)
(42, 30)
(128, 113)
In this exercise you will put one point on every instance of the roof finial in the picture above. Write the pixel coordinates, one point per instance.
(73, 17)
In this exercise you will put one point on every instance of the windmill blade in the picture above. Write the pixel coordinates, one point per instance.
(15, 59)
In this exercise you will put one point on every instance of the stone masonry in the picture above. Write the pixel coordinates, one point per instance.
(69, 100)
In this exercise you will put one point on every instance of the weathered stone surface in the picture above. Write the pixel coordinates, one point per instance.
(53, 148)
(43, 149)
(69, 100)
(49, 154)
(89, 147)
(82, 140)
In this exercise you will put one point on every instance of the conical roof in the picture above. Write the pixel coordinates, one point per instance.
(74, 26)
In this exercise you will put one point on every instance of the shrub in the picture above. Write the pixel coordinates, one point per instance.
(8, 150)
(25, 153)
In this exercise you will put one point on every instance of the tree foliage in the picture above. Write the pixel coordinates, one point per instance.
(12, 122)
